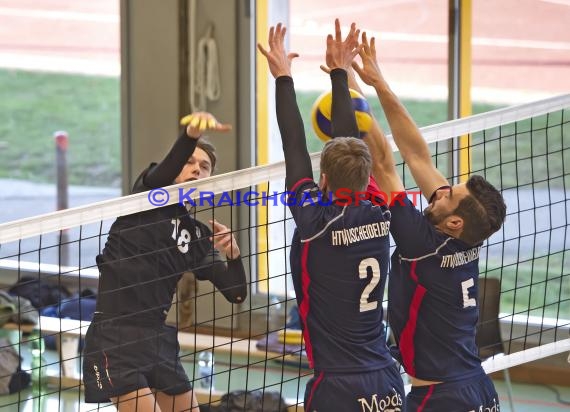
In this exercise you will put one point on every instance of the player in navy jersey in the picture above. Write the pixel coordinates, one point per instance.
(432, 291)
(340, 252)
(131, 355)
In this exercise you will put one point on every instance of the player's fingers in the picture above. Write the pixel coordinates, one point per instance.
(355, 52)
(325, 69)
(225, 241)
(362, 54)
(337, 32)
(195, 121)
(271, 35)
(217, 227)
(203, 123)
(223, 127)
(356, 36)
(262, 50)
(365, 42)
(330, 41)
(351, 32)
(221, 241)
(207, 119)
(186, 120)
(214, 223)
(278, 32)
(222, 244)
(292, 56)
(231, 247)
(357, 68)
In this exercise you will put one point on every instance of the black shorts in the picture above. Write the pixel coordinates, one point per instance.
(474, 394)
(366, 391)
(122, 356)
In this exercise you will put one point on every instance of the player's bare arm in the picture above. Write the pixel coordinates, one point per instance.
(407, 136)
(383, 163)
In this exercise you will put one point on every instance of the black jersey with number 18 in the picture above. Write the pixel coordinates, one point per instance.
(147, 253)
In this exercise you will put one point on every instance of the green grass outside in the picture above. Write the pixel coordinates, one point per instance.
(35, 105)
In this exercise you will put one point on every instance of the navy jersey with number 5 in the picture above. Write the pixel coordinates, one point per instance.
(432, 294)
(339, 263)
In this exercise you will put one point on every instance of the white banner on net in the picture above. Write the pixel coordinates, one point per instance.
(499, 363)
(97, 212)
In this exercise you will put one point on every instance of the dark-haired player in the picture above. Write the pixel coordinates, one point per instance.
(432, 291)
(131, 355)
(340, 253)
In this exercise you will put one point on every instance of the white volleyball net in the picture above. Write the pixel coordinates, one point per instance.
(49, 261)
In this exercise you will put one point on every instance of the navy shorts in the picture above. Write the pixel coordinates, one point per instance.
(477, 394)
(122, 356)
(366, 391)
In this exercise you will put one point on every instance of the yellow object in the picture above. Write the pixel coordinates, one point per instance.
(185, 121)
(321, 114)
(290, 336)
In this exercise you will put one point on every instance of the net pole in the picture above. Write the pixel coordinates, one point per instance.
(459, 85)
(62, 196)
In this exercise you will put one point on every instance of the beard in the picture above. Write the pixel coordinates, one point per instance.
(433, 218)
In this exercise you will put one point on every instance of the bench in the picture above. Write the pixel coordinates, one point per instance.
(68, 332)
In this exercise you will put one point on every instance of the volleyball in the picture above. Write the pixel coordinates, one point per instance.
(321, 114)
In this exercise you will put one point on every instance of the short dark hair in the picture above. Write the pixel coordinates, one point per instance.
(208, 147)
(483, 211)
(346, 162)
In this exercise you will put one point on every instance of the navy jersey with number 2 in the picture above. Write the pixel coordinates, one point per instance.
(339, 263)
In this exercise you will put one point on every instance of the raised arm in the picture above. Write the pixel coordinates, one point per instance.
(407, 136)
(297, 160)
(164, 173)
(383, 163)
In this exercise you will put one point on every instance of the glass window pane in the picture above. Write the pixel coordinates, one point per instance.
(59, 71)
(520, 50)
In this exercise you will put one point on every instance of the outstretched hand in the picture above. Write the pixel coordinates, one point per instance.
(197, 123)
(370, 71)
(277, 58)
(340, 54)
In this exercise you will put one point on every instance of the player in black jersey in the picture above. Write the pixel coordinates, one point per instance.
(340, 252)
(432, 291)
(131, 355)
